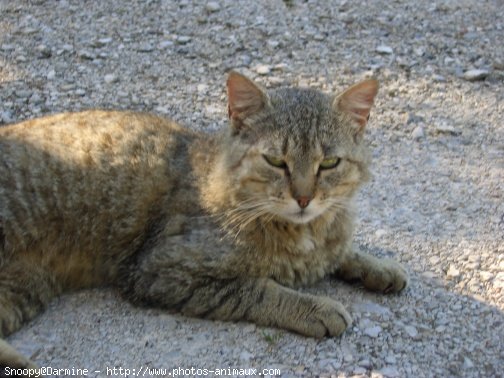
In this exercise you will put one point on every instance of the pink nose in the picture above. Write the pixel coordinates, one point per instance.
(303, 201)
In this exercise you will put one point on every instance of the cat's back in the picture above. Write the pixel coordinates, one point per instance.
(87, 182)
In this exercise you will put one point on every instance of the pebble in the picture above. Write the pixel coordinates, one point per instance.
(475, 75)
(468, 364)
(165, 44)
(380, 233)
(213, 6)
(43, 51)
(372, 331)
(183, 39)
(110, 78)
(390, 372)
(146, 47)
(384, 49)
(7, 47)
(84, 54)
(447, 129)
(418, 133)
(263, 69)
(6, 117)
(486, 276)
(452, 272)
(411, 331)
(51, 75)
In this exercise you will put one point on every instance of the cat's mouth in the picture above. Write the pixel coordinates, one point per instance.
(303, 216)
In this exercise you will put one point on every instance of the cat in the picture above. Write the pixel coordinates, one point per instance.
(218, 226)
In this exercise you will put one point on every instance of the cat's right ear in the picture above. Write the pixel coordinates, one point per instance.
(245, 98)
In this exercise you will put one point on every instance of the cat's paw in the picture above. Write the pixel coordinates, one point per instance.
(322, 317)
(386, 276)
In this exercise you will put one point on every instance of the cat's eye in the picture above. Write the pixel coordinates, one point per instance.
(329, 163)
(275, 161)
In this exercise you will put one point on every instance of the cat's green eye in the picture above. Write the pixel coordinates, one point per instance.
(275, 161)
(330, 163)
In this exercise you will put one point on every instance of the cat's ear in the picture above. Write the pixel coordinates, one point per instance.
(245, 98)
(357, 101)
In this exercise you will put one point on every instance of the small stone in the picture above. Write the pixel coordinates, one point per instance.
(411, 331)
(67, 87)
(380, 233)
(44, 51)
(51, 75)
(101, 42)
(439, 78)
(486, 276)
(359, 370)
(383, 49)
(183, 39)
(110, 78)
(21, 58)
(475, 75)
(23, 93)
(7, 47)
(246, 356)
(146, 47)
(418, 133)
(165, 44)
(263, 69)
(365, 364)
(389, 371)
(84, 54)
(447, 129)
(6, 117)
(212, 6)
(202, 88)
(452, 272)
(273, 44)
(390, 359)
(468, 364)
(373, 331)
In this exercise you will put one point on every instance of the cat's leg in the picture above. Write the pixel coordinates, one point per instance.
(382, 275)
(258, 300)
(25, 290)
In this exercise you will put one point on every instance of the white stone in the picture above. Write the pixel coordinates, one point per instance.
(418, 133)
(379, 233)
(263, 69)
(452, 272)
(213, 6)
(383, 49)
(110, 78)
(373, 331)
(475, 75)
(411, 331)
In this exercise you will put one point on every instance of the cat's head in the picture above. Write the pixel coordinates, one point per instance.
(295, 154)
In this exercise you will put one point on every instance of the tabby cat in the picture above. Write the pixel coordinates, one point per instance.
(215, 226)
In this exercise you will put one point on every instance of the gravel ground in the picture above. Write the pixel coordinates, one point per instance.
(435, 202)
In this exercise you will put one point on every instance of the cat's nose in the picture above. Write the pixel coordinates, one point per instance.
(303, 201)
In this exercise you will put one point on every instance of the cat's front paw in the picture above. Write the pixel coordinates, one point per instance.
(321, 317)
(386, 276)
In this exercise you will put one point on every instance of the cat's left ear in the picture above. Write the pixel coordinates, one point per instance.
(357, 102)
(245, 98)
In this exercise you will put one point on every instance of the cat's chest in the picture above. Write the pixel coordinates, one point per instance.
(295, 255)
